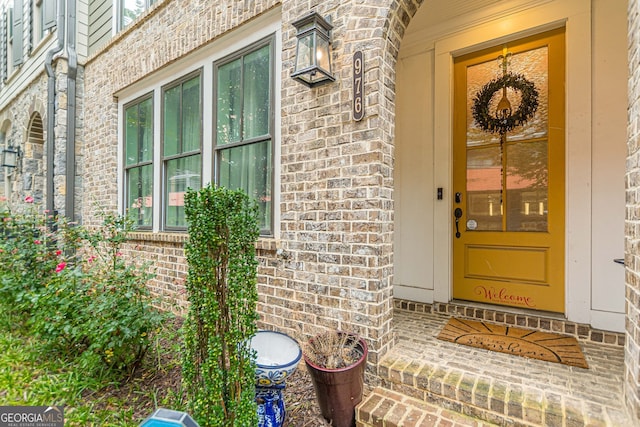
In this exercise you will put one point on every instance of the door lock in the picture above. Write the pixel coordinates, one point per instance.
(458, 214)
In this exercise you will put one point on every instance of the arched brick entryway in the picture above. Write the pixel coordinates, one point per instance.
(632, 244)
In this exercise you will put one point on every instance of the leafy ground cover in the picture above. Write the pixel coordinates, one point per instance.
(32, 375)
(78, 327)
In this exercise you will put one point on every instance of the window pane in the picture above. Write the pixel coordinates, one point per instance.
(171, 126)
(138, 132)
(249, 168)
(131, 9)
(131, 119)
(139, 194)
(146, 130)
(182, 173)
(229, 102)
(256, 93)
(191, 116)
(527, 186)
(533, 65)
(484, 188)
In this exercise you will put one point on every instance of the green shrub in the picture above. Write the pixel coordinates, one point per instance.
(26, 255)
(218, 365)
(75, 289)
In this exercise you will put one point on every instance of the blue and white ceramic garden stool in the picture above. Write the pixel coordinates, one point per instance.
(277, 357)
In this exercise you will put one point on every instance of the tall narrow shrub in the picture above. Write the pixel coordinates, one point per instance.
(218, 367)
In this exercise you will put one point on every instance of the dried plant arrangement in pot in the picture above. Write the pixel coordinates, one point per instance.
(336, 362)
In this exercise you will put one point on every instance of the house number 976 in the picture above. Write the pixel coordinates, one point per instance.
(358, 86)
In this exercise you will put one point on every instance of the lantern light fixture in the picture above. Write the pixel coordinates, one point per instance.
(10, 157)
(313, 54)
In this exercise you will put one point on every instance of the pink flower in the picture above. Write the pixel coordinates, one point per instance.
(37, 242)
(91, 258)
(118, 253)
(61, 267)
(3, 199)
(28, 199)
(58, 252)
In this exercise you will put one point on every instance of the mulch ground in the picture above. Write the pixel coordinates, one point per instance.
(300, 403)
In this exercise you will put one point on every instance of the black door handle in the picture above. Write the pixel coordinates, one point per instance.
(458, 214)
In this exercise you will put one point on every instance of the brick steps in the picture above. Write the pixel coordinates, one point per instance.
(386, 408)
(427, 382)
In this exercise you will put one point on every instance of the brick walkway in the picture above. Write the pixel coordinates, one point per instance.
(428, 382)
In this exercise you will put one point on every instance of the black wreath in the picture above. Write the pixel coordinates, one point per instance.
(526, 110)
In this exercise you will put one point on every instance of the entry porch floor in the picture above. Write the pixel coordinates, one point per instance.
(429, 382)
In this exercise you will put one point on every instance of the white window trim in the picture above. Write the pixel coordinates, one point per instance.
(266, 25)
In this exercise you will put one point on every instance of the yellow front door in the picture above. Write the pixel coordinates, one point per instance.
(508, 166)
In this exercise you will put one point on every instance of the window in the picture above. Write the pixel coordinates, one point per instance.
(129, 10)
(244, 124)
(181, 140)
(211, 123)
(138, 118)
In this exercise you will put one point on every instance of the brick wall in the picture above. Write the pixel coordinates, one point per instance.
(336, 189)
(164, 255)
(333, 263)
(337, 181)
(168, 31)
(632, 226)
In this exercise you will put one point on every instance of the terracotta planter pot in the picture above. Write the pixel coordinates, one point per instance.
(338, 391)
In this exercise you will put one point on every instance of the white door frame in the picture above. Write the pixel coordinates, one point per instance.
(575, 15)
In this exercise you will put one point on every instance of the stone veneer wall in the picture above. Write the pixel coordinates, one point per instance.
(632, 226)
(30, 177)
(333, 264)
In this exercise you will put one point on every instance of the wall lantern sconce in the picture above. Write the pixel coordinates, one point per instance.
(10, 157)
(313, 56)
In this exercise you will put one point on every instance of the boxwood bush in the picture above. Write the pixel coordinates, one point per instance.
(218, 366)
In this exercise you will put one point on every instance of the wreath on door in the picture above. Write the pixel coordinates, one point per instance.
(504, 123)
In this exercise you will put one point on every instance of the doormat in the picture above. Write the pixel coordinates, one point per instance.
(517, 341)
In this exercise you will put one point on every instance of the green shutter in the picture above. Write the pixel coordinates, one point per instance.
(48, 14)
(18, 47)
